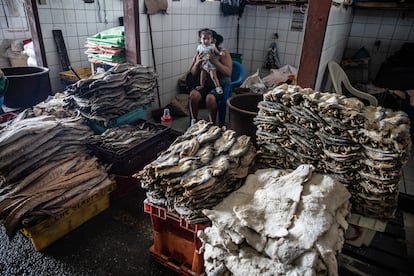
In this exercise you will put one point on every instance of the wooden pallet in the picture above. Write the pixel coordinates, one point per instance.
(385, 255)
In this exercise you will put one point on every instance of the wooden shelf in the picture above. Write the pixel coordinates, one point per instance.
(384, 5)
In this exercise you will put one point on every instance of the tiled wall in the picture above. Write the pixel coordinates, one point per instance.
(391, 28)
(13, 26)
(77, 20)
(257, 28)
(336, 37)
(175, 37)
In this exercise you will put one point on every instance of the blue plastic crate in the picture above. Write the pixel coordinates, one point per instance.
(139, 113)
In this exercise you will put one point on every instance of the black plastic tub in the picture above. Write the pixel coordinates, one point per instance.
(27, 87)
(242, 110)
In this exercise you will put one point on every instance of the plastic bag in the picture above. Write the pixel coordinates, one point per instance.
(285, 74)
(254, 83)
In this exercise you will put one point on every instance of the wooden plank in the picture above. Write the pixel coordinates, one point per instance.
(318, 13)
(36, 32)
(132, 33)
(385, 5)
(61, 49)
(376, 257)
(351, 266)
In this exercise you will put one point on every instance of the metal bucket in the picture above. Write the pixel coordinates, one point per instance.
(27, 87)
(242, 110)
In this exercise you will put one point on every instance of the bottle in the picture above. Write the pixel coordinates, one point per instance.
(166, 118)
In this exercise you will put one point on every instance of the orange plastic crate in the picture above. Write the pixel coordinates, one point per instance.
(175, 241)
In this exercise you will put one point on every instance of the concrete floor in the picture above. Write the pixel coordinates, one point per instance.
(115, 242)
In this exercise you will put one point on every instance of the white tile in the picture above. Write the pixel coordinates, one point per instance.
(167, 23)
(80, 16)
(167, 54)
(293, 37)
(157, 39)
(176, 38)
(184, 37)
(290, 59)
(176, 22)
(371, 30)
(176, 53)
(284, 24)
(68, 4)
(47, 30)
(357, 29)
(71, 30)
(71, 43)
(291, 48)
(82, 29)
(56, 5)
(49, 44)
(74, 55)
(92, 29)
(45, 16)
(386, 31)
(389, 19)
(167, 70)
(259, 44)
(91, 16)
(401, 32)
(70, 16)
(57, 16)
(167, 39)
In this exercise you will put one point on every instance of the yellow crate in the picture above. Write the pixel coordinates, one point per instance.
(50, 230)
(83, 73)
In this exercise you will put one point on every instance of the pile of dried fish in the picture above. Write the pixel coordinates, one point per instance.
(279, 222)
(54, 106)
(28, 143)
(106, 96)
(364, 147)
(45, 168)
(198, 170)
(120, 139)
(51, 189)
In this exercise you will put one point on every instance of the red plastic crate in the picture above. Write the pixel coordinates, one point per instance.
(175, 241)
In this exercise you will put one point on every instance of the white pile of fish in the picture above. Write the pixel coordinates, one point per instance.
(45, 168)
(280, 222)
(364, 147)
(198, 170)
(106, 96)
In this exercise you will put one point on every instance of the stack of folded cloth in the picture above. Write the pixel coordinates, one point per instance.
(107, 46)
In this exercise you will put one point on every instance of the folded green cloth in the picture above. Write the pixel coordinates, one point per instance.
(112, 37)
(111, 33)
(110, 58)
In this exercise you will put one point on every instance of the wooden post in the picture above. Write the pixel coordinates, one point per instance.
(318, 13)
(36, 32)
(132, 33)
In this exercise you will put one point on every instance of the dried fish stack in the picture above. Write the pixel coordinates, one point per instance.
(198, 170)
(45, 168)
(280, 222)
(106, 96)
(29, 143)
(385, 146)
(118, 140)
(54, 106)
(363, 147)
